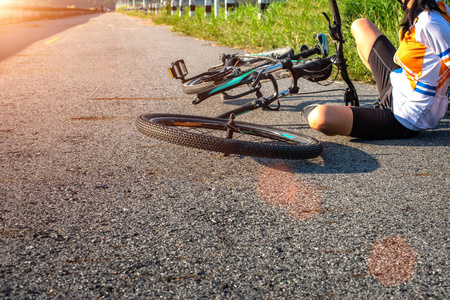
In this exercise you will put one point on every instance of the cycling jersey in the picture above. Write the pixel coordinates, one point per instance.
(420, 86)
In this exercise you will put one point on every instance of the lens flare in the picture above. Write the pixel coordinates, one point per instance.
(280, 187)
(392, 261)
(7, 2)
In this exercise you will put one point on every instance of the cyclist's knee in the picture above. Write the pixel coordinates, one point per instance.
(359, 26)
(318, 118)
(331, 119)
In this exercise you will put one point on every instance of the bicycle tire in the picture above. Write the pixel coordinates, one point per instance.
(188, 130)
(279, 53)
(202, 83)
(252, 61)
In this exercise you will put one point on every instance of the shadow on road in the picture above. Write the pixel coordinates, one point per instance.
(16, 37)
(290, 103)
(335, 159)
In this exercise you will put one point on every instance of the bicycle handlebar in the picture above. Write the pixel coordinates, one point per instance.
(307, 53)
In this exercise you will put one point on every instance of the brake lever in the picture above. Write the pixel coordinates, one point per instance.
(335, 30)
(328, 19)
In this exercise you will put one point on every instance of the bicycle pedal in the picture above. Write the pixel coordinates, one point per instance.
(178, 70)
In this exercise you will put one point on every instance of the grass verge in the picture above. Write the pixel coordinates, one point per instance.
(288, 23)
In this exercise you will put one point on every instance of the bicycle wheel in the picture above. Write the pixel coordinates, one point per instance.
(215, 77)
(205, 81)
(211, 134)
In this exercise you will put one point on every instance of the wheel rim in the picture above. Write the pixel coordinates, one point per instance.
(241, 131)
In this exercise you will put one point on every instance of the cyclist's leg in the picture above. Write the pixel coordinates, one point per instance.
(331, 119)
(365, 34)
(338, 120)
(381, 61)
(361, 122)
(377, 53)
(378, 123)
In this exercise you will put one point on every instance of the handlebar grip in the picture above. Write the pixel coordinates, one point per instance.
(307, 53)
(335, 12)
(310, 52)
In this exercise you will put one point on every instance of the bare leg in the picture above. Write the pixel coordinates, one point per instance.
(332, 119)
(365, 34)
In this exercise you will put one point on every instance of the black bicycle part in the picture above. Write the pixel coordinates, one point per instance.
(178, 70)
(211, 134)
(236, 59)
(314, 69)
(262, 102)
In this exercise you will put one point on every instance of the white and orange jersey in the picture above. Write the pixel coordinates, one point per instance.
(420, 86)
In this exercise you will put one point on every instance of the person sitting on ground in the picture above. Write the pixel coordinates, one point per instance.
(412, 81)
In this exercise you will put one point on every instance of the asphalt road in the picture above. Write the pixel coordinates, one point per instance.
(91, 208)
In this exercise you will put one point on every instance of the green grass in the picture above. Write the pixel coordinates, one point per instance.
(288, 23)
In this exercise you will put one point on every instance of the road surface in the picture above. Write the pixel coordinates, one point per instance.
(90, 207)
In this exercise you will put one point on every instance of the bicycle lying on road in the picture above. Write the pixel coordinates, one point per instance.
(235, 70)
(223, 133)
